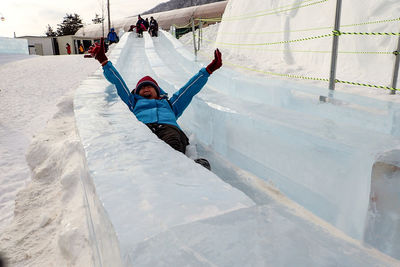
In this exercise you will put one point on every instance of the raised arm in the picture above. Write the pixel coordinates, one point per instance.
(181, 99)
(112, 75)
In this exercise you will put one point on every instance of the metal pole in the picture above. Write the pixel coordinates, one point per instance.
(198, 37)
(201, 32)
(396, 68)
(332, 77)
(108, 12)
(102, 18)
(194, 38)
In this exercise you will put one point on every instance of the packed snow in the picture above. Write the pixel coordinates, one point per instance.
(31, 90)
(259, 22)
(61, 216)
(42, 160)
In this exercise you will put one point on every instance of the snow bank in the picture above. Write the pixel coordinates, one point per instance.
(57, 219)
(275, 22)
(53, 218)
(30, 89)
(48, 228)
(265, 22)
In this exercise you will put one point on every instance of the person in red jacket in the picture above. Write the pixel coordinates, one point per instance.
(68, 47)
(140, 26)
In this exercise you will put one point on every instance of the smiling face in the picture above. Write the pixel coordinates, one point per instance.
(148, 92)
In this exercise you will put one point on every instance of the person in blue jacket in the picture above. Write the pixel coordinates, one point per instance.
(150, 103)
(112, 36)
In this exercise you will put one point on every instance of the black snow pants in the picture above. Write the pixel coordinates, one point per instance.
(171, 135)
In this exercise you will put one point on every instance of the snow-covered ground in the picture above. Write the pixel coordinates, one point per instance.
(42, 210)
(372, 61)
(31, 90)
(361, 58)
(57, 212)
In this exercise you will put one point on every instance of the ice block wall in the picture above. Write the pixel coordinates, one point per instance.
(13, 46)
(317, 148)
(318, 153)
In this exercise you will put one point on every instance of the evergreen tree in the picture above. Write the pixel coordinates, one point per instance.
(50, 31)
(70, 25)
(97, 19)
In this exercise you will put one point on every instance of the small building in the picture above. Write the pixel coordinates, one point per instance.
(39, 45)
(45, 46)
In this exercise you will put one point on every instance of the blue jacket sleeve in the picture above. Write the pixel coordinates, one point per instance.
(182, 98)
(113, 76)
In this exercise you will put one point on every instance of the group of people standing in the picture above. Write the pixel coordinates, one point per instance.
(81, 50)
(145, 25)
(112, 37)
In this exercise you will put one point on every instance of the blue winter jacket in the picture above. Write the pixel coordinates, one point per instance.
(157, 110)
(112, 36)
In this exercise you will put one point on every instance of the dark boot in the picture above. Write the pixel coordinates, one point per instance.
(204, 163)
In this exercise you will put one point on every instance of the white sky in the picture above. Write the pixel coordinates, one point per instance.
(30, 17)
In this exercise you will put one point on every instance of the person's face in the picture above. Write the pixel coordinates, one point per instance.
(148, 92)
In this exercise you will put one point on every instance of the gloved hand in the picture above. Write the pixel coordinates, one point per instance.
(216, 63)
(97, 51)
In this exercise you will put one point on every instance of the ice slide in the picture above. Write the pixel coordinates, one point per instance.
(167, 210)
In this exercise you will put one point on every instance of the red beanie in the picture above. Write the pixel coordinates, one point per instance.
(146, 80)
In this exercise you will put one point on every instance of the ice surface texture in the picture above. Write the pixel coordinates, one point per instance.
(319, 153)
(163, 205)
(13, 46)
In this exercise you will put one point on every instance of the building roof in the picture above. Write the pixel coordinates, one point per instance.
(165, 19)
